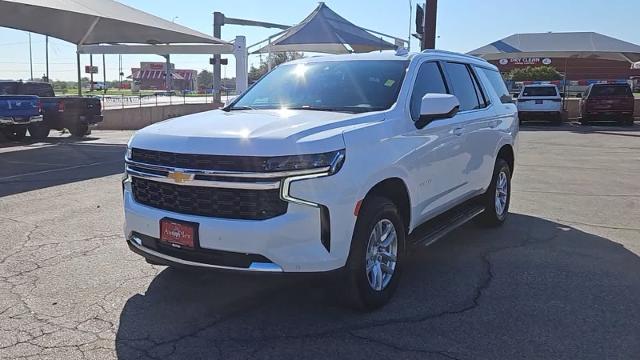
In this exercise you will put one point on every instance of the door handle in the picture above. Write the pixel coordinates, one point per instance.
(458, 131)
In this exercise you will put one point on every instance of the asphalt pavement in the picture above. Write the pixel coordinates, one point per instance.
(560, 280)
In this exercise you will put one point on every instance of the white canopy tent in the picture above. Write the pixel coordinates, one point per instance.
(90, 24)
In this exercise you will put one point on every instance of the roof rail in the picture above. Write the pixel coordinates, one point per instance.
(435, 51)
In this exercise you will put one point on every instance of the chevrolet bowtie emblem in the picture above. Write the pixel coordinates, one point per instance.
(179, 177)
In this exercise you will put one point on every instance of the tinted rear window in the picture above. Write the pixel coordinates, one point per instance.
(540, 91)
(7, 88)
(42, 90)
(611, 91)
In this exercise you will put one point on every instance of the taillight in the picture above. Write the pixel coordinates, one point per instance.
(61, 106)
(39, 103)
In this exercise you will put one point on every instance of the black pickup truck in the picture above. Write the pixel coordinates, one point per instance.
(76, 114)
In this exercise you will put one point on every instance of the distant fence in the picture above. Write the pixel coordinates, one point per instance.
(129, 101)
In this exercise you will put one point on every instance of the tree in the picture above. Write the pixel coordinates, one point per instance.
(539, 73)
(275, 59)
(205, 79)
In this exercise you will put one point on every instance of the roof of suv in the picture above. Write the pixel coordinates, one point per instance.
(397, 56)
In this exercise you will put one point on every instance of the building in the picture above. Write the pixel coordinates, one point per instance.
(582, 57)
(151, 76)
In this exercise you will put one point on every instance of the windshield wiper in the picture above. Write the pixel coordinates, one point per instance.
(238, 108)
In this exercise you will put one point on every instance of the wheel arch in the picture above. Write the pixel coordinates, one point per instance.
(396, 190)
(506, 153)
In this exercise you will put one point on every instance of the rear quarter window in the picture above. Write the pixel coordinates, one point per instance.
(36, 89)
(497, 83)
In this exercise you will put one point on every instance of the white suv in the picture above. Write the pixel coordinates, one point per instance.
(327, 163)
(540, 102)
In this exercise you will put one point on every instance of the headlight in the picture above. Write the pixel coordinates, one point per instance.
(331, 160)
(128, 154)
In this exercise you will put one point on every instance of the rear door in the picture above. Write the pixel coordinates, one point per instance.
(477, 121)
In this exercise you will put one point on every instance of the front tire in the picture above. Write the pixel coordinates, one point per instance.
(377, 251)
(16, 133)
(498, 197)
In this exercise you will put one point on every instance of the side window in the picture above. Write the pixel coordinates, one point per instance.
(498, 84)
(428, 81)
(463, 86)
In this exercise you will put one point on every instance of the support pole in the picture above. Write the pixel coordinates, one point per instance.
(79, 73)
(167, 75)
(430, 19)
(104, 75)
(30, 58)
(218, 22)
(242, 63)
(46, 42)
(91, 72)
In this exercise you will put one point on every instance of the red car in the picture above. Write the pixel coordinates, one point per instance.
(608, 102)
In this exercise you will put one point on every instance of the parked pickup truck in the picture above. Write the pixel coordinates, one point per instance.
(335, 164)
(608, 102)
(76, 114)
(17, 113)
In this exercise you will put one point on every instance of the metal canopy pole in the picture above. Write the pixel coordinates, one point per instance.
(79, 73)
(46, 41)
(242, 63)
(168, 73)
(218, 21)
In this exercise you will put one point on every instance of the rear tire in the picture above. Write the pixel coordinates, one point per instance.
(584, 120)
(557, 119)
(498, 197)
(79, 131)
(16, 133)
(377, 253)
(39, 131)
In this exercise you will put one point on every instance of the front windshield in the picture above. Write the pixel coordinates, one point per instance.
(351, 86)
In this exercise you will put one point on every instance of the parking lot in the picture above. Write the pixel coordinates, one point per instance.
(559, 280)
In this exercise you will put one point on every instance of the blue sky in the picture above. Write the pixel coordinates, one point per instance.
(463, 25)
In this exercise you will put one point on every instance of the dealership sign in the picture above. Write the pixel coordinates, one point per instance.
(526, 61)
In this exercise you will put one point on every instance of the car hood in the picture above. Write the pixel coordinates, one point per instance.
(251, 132)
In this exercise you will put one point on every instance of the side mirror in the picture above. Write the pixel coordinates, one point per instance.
(436, 107)
(579, 95)
(562, 95)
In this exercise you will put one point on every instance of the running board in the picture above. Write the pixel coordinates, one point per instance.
(436, 228)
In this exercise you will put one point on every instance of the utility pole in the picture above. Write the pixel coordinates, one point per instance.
(30, 58)
(46, 41)
(430, 19)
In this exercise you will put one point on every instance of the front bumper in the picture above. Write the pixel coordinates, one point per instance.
(287, 243)
(20, 121)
